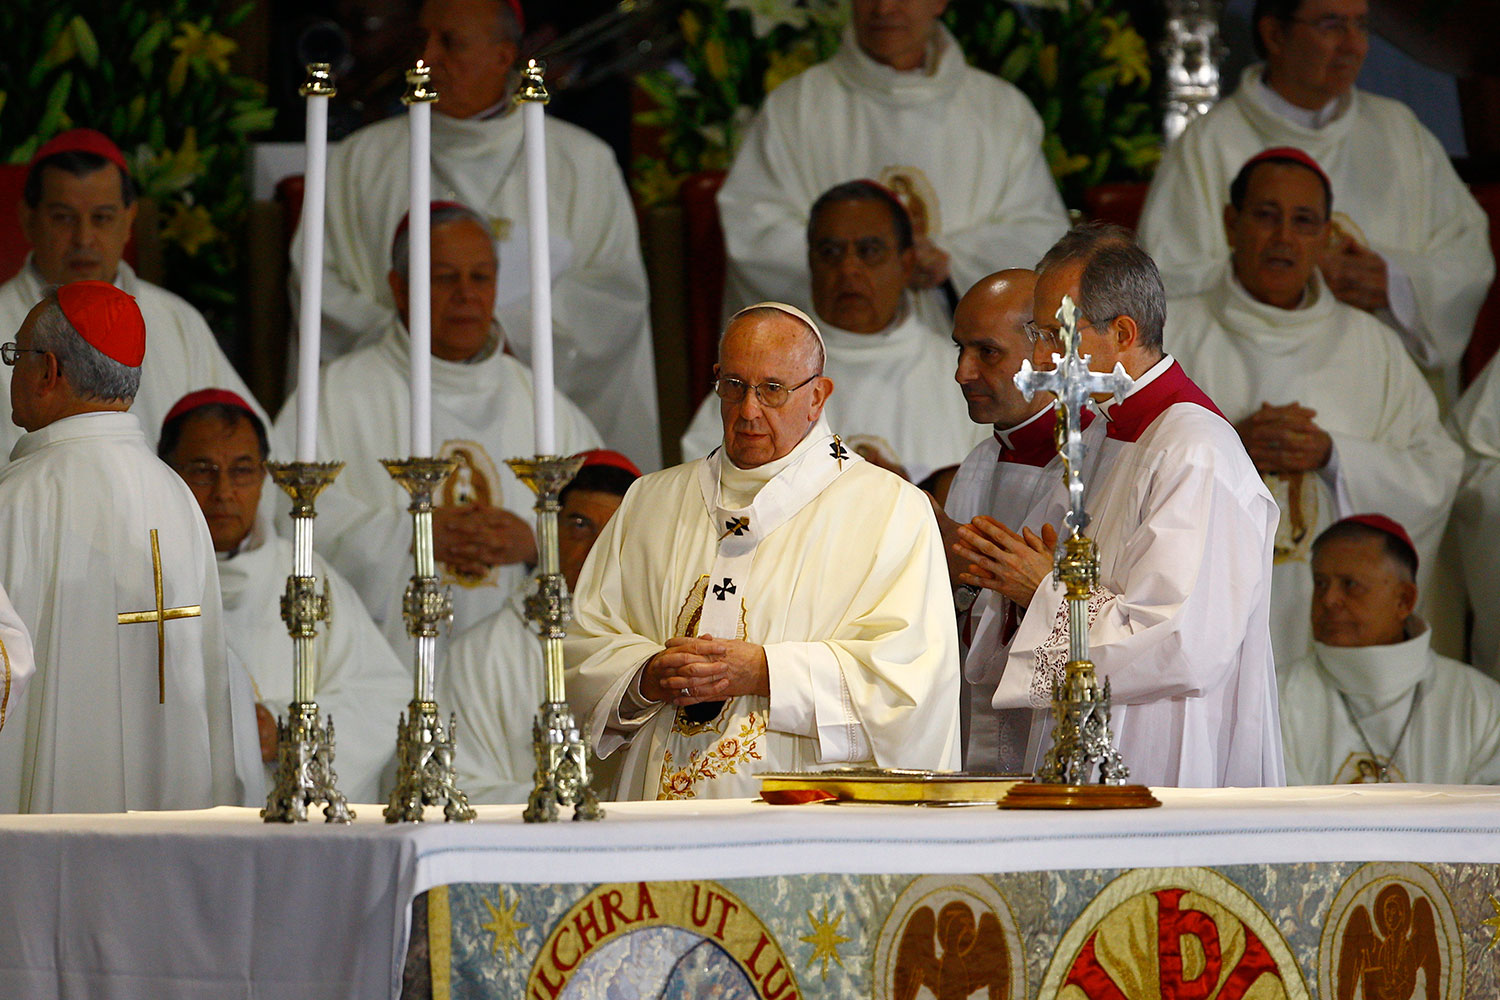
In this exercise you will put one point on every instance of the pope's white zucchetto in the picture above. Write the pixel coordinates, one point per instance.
(782, 307)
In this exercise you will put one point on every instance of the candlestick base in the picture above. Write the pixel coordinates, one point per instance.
(304, 771)
(562, 768)
(424, 768)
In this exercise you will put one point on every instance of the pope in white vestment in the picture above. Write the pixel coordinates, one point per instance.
(895, 386)
(1336, 697)
(361, 682)
(839, 574)
(1390, 451)
(600, 318)
(801, 582)
(90, 734)
(1394, 191)
(960, 147)
(481, 416)
(16, 661)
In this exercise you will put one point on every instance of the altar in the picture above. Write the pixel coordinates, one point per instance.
(1226, 892)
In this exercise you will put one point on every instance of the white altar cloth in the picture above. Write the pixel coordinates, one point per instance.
(217, 904)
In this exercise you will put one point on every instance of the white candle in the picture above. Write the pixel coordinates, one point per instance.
(419, 278)
(541, 275)
(315, 183)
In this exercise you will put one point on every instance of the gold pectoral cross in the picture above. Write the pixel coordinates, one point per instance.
(160, 615)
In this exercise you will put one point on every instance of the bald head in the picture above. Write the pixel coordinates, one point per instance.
(769, 348)
(989, 331)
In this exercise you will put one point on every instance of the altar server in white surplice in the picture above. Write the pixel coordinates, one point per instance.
(481, 416)
(779, 605)
(118, 716)
(16, 661)
(1410, 245)
(1371, 701)
(1333, 412)
(1010, 482)
(78, 206)
(492, 679)
(1179, 620)
(600, 316)
(897, 103)
(217, 444)
(896, 402)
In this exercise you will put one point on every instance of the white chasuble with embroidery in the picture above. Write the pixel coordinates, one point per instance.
(1179, 620)
(831, 564)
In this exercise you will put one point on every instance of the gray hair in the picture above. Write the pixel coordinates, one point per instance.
(441, 216)
(1118, 279)
(90, 372)
(777, 311)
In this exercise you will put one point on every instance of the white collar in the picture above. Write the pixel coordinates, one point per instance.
(1150, 375)
(1375, 677)
(1313, 119)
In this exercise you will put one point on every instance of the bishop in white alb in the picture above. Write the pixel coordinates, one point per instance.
(78, 502)
(1390, 451)
(960, 147)
(1348, 711)
(1393, 187)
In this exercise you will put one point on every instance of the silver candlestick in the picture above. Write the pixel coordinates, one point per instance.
(304, 746)
(562, 751)
(424, 751)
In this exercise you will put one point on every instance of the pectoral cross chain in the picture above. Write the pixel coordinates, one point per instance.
(160, 615)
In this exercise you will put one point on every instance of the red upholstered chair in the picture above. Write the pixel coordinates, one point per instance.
(705, 260)
(13, 245)
(1119, 202)
(1486, 338)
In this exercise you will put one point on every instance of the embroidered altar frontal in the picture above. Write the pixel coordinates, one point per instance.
(1328, 930)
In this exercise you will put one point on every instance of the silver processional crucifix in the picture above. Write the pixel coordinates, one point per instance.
(1081, 740)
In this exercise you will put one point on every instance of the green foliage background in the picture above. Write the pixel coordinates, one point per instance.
(1081, 62)
(156, 78)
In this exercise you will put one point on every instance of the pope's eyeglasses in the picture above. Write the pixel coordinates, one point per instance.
(772, 394)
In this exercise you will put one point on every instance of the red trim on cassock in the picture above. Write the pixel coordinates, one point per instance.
(1128, 420)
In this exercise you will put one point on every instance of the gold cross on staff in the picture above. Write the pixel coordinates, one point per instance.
(160, 615)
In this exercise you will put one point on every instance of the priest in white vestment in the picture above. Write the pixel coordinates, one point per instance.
(133, 715)
(1371, 702)
(16, 661)
(1012, 480)
(1476, 512)
(79, 204)
(217, 444)
(1334, 413)
(481, 415)
(896, 402)
(781, 605)
(898, 103)
(493, 680)
(1410, 244)
(601, 327)
(1179, 621)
